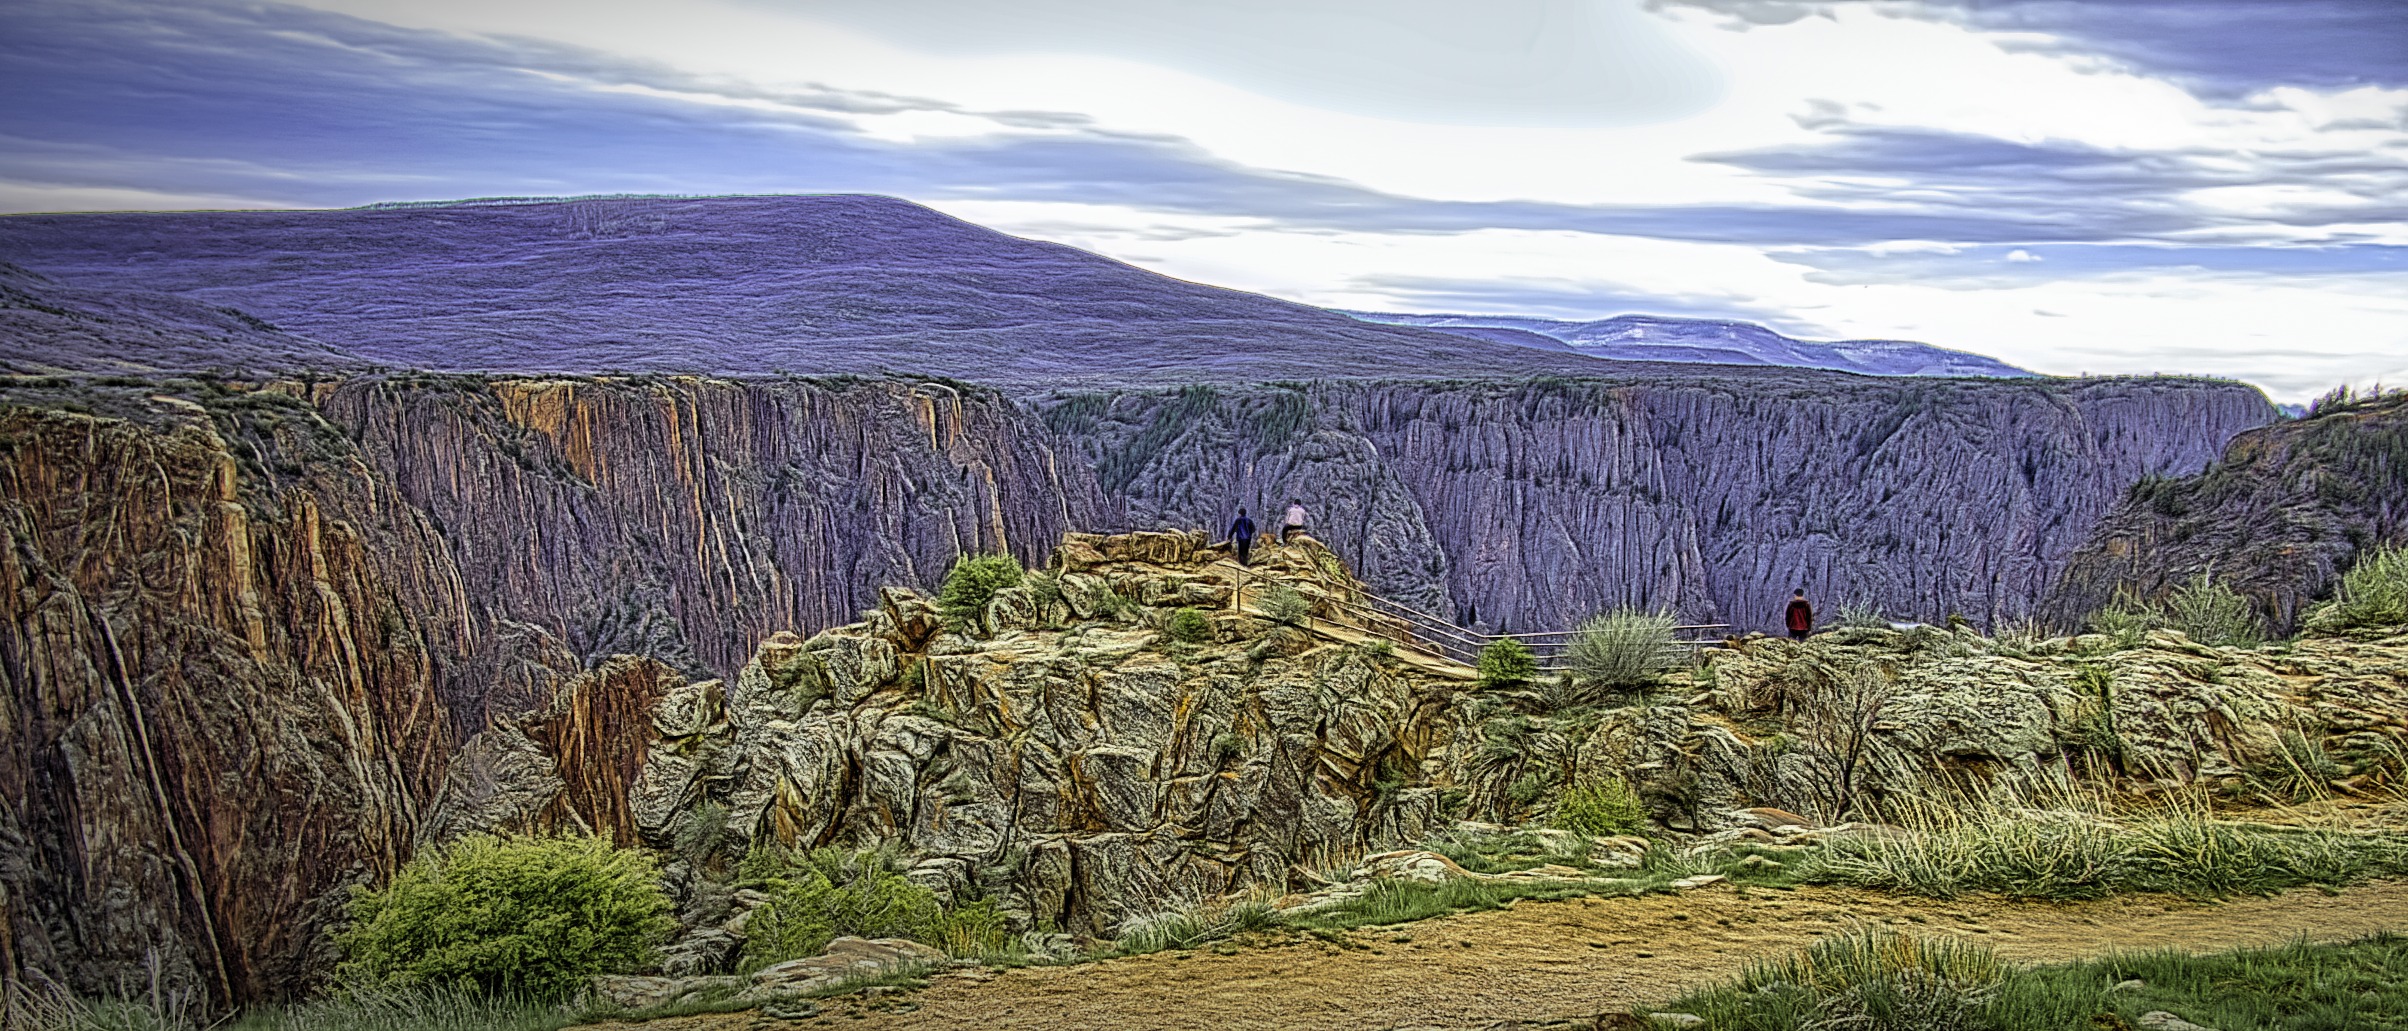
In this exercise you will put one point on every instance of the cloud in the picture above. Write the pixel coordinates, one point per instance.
(2225, 50)
(1996, 267)
(1505, 62)
(1574, 299)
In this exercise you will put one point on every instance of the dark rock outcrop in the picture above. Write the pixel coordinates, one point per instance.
(2286, 510)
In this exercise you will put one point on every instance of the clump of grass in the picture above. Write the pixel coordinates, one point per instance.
(2204, 609)
(1876, 981)
(1283, 604)
(1506, 662)
(2126, 619)
(1620, 652)
(816, 896)
(1862, 615)
(1188, 926)
(1603, 806)
(1189, 626)
(2372, 596)
(1871, 979)
(1958, 847)
(2211, 612)
(2298, 769)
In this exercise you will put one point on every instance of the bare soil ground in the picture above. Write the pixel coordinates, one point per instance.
(1555, 959)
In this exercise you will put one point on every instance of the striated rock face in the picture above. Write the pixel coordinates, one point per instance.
(1529, 506)
(688, 519)
(265, 642)
(222, 701)
(2287, 510)
(1777, 721)
(1077, 763)
(249, 632)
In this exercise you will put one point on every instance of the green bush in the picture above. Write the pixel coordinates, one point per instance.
(2210, 612)
(1190, 626)
(1506, 662)
(971, 584)
(817, 896)
(1283, 604)
(1622, 650)
(2373, 595)
(508, 917)
(1603, 806)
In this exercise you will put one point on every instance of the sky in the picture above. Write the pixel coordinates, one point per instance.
(2214, 187)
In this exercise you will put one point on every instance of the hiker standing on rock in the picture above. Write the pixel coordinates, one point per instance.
(1801, 616)
(1294, 523)
(1241, 534)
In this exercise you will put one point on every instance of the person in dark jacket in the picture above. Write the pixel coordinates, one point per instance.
(1241, 533)
(1801, 616)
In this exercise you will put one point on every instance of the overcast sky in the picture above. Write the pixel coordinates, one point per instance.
(2196, 186)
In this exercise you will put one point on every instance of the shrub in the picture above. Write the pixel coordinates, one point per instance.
(1622, 650)
(2126, 618)
(2211, 612)
(1190, 626)
(816, 896)
(971, 584)
(517, 917)
(2373, 595)
(1282, 604)
(1861, 615)
(1506, 662)
(1603, 806)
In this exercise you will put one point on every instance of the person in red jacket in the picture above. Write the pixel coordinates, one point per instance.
(1801, 616)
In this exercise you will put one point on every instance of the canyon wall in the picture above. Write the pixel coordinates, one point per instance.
(249, 630)
(1529, 505)
(2286, 510)
(259, 634)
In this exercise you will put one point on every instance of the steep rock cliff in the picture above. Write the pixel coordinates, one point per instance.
(2284, 512)
(220, 701)
(1530, 505)
(250, 629)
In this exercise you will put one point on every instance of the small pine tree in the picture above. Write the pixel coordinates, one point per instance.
(1190, 626)
(971, 584)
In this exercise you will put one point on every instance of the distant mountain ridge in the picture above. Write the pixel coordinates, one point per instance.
(735, 286)
(1658, 338)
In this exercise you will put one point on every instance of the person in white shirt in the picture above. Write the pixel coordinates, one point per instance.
(1294, 523)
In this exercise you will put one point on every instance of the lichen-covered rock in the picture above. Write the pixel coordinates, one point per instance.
(1084, 772)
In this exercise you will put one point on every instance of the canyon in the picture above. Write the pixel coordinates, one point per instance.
(289, 607)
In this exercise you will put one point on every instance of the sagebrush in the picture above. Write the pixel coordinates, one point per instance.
(1622, 651)
(527, 918)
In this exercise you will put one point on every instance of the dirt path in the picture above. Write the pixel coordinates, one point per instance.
(1573, 958)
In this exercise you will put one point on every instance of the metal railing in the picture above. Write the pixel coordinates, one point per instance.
(1437, 637)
